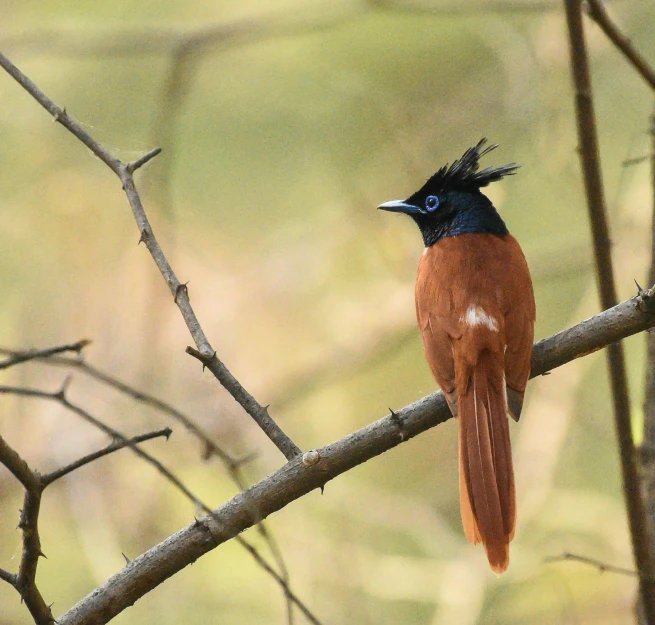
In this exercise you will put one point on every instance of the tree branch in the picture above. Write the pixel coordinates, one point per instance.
(601, 566)
(16, 357)
(49, 478)
(210, 447)
(280, 578)
(599, 14)
(589, 154)
(315, 468)
(179, 290)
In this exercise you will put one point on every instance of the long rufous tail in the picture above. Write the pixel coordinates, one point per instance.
(486, 476)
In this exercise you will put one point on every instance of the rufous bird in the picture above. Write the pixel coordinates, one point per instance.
(476, 312)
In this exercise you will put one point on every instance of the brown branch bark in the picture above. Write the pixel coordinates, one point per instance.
(60, 396)
(599, 14)
(589, 154)
(16, 357)
(49, 478)
(311, 471)
(180, 292)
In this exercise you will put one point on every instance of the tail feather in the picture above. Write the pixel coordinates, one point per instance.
(487, 493)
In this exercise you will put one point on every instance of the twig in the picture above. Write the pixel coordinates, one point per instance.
(34, 484)
(16, 357)
(25, 580)
(602, 251)
(599, 14)
(60, 397)
(316, 468)
(210, 447)
(49, 478)
(233, 465)
(601, 566)
(178, 290)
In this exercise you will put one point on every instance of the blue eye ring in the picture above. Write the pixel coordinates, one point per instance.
(431, 203)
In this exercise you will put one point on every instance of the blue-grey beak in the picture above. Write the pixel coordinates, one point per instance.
(400, 206)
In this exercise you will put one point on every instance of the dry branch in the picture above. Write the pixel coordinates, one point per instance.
(599, 14)
(302, 475)
(180, 292)
(589, 155)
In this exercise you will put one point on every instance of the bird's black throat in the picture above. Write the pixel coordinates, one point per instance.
(461, 213)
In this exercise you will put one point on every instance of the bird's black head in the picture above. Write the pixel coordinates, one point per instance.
(450, 203)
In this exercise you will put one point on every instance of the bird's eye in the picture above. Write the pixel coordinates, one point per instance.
(431, 203)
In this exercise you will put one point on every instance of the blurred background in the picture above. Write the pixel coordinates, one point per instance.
(284, 124)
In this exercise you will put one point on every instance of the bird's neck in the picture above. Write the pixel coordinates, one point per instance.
(469, 216)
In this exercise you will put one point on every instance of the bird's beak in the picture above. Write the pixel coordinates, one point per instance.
(400, 206)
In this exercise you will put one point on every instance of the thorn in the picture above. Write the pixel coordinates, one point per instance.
(61, 393)
(57, 117)
(546, 373)
(41, 555)
(640, 291)
(167, 433)
(127, 560)
(179, 288)
(144, 234)
(398, 422)
(80, 345)
(323, 489)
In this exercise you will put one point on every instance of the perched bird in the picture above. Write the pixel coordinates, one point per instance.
(476, 312)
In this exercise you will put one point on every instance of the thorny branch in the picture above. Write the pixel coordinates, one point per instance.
(16, 357)
(589, 155)
(122, 441)
(601, 566)
(180, 292)
(34, 484)
(233, 465)
(315, 468)
(599, 14)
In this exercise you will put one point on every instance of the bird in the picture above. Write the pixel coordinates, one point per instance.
(476, 312)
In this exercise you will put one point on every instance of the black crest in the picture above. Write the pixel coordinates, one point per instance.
(463, 174)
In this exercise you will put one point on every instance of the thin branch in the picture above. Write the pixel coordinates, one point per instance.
(248, 402)
(600, 565)
(599, 14)
(315, 468)
(178, 290)
(589, 154)
(60, 397)
(25, 581)
(49, 478)
(210, 447)
(17, 466)
(140, 162)
(16, 357)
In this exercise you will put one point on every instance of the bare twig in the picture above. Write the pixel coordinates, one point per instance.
(314, 469)
(35, 483)
(602, 251)
(16, 357)
(48, 478)
(210, 448)
(599, 14)
(601, 566)
(60, 397)
(233, 465)
(179, 290)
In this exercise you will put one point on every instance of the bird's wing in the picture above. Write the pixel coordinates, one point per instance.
(439, 326)
(520, 314)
